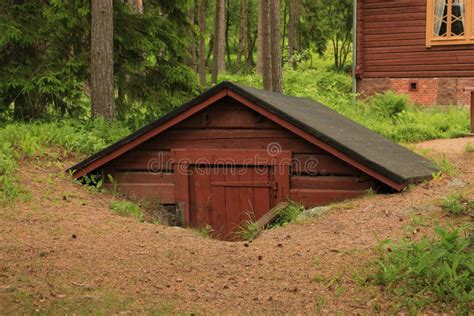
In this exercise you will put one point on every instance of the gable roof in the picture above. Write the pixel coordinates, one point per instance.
(398, 165)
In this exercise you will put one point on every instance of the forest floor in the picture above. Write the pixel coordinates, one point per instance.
(65, 251)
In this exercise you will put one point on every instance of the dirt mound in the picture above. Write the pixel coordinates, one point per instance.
(63, 250)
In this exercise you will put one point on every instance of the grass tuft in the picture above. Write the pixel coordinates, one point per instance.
(469, 148)
(430, 273)
(248, 230)
(288, 214)
(127, 209)
(457, 204)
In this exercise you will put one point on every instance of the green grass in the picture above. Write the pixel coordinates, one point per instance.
(469, 148)
(457, 204)
(431, 274)
(446, 166)
(205, 232)
(22, 140)
(389, 114)
(248, 230)
(127, 209)
(287, 214)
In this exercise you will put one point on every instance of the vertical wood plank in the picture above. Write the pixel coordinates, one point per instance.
(232, 203)
(218, 204)
(261, 195)
(182, 189)
(247, 205)
(282, 179)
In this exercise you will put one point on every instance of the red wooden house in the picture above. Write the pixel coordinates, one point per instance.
(423, 48)
(235, 152)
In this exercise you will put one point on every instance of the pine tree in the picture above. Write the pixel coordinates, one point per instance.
(218, 64)
(293, 31)
(102, 63)
(266, 45)
(242, 51)
(202, 43)
(277, 85)
(262, 7)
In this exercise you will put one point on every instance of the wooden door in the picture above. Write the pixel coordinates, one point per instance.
(225, 197)
(222, 188)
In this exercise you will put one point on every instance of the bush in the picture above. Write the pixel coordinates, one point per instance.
(432, 271)
(388, 114)
(389, 104)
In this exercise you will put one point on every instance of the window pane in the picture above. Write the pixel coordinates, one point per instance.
(440, 18)
(458, 17)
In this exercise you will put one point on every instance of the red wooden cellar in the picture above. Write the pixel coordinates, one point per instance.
(234, 152)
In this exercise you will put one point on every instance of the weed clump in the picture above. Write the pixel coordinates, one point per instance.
(457, 204)
(248, 230)
(431, 271)
(287, 214)
(389, 104)
(127, 209)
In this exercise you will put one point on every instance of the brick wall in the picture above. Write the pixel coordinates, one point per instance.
(424, 91)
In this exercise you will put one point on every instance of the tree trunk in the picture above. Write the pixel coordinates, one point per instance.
(218, 64)
(136, 6)
(284, 25)
(140, 6)
(202, 43)
(266, 45)
(191, 60)
(250, 39)
(227, 27)
(260, 40)
(102, 64)
(242, 51)
(293, 31)
(277, 85)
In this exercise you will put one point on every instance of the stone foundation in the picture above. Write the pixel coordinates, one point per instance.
(424, 91)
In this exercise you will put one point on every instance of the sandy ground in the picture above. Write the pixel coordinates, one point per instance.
(64, 251)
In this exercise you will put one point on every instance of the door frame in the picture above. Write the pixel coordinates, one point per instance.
(182, 158)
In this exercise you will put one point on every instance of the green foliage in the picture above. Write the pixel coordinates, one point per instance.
(413, 124)
(248, 230)
(34, 139)
(389, 104)
(469, 148)
(127, 209)
(431, 271)
(44, 59)
(446, 166)
(329, 21)
(288, 214)
(206, 231)
(457, 204)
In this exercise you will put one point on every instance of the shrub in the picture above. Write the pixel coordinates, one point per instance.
(431, 271)
(127, 209)
(388, 114)
(389, 103)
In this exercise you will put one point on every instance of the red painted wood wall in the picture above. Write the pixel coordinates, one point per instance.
(272, 165)
(391, 43)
